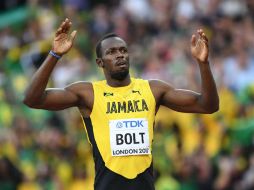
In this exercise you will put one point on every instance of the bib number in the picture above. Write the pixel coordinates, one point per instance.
(129, 137)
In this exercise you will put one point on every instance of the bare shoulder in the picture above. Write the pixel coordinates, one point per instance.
(159, 85)
(84, 90)
(79, 86)
(159, 88)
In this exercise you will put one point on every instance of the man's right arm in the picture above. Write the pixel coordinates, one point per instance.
(37, 96)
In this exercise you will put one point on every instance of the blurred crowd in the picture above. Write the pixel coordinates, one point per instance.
(49, 150)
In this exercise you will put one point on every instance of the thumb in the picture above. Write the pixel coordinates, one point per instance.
(73, 35)
(193, 40)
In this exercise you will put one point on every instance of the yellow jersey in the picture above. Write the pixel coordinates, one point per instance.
(120, 130)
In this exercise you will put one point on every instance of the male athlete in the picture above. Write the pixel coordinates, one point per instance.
(119, 112)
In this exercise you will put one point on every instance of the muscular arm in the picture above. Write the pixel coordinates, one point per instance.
(188, 101)
(207, 101)
(77, 94)
(37, 96)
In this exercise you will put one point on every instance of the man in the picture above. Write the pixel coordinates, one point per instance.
(119, 112)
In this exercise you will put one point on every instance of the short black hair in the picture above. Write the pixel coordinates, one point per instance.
(98, 45)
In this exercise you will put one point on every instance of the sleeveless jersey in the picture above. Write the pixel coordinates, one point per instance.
(120, 130)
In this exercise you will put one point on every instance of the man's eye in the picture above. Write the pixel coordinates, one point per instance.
(110, 52)
(123, 50)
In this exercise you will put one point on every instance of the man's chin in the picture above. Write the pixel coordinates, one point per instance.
(121, 75)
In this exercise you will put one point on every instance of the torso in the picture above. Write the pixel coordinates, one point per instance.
(120, 129)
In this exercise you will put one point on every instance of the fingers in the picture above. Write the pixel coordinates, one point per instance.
(64, 27)
(202, 36)
(73, 35)
(193, 40)
(67, 25)
(200, 40)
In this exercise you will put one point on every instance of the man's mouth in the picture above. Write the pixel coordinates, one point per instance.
(121, 63)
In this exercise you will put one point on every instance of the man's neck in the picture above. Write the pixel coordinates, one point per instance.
(119, 83)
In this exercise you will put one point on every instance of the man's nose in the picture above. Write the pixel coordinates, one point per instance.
(119, 55)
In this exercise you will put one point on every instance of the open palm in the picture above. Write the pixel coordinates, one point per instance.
(199, 47)
(63, 41)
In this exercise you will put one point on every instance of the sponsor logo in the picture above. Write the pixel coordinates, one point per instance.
(119, 125)
(129, 124)
(136, 91)
(108, 94)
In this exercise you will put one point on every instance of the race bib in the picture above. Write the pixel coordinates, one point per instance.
(129, 137)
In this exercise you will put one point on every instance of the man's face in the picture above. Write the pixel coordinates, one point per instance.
(115, 58)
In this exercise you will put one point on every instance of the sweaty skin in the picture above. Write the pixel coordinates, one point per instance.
(115, 65)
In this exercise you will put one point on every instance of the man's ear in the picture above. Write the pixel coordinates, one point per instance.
(99, 62)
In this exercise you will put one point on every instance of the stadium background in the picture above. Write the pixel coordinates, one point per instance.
(49, 150)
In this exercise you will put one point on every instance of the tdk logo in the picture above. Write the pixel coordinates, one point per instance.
(129, 124)
(119, 125)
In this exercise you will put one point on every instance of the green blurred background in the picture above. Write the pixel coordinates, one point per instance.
(49, 150)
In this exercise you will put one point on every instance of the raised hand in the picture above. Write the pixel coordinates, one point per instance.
(199, 47)
(63, 41)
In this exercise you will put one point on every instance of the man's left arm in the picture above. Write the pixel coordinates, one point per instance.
(207, 101)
